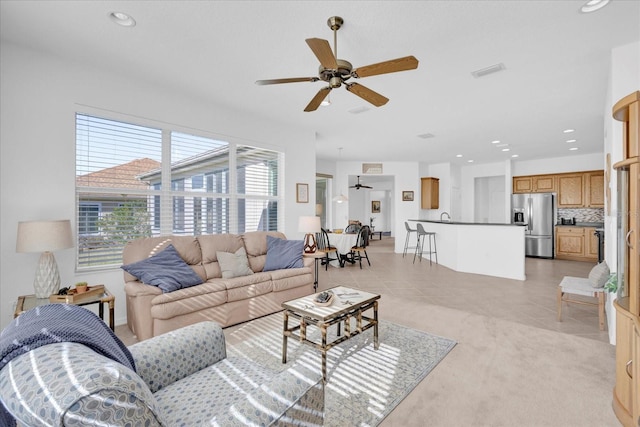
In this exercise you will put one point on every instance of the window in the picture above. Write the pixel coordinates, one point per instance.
(124, 192)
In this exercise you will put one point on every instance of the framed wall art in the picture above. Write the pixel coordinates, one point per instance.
(302, 193)
(375, 206)
(407, 196)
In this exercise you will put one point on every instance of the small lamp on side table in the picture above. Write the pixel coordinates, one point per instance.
(309, 225)
(45, 237)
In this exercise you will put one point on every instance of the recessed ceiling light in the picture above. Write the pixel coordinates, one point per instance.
(593, 5)
(506, 149)
(495, 141)
(568, 130)
(458, 155)
(426, 135)
(123, 19)
(573, 148)
(514, 155)
(489, 70)
(469, 161)
(571, 140)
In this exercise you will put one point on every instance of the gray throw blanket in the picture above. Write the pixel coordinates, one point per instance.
(54, 323)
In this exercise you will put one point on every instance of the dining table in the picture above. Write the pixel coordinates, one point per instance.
(343, 242)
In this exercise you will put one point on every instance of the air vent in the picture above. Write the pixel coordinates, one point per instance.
(489, 70)
(426, 135)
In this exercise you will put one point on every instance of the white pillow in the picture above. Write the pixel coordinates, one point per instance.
(599, 275)
(234, 264)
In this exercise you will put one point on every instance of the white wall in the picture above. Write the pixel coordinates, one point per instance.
(573, 163)
(40, 96)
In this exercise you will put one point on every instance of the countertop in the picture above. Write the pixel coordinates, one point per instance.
(435, 221)
(583, 224)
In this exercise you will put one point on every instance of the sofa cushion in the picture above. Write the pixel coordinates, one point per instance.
(283, 253)
(599, 275)
(211, 244)
(234, 264)
(255, 243)
(166, 270)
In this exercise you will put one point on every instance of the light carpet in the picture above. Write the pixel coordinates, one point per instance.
(364, 385)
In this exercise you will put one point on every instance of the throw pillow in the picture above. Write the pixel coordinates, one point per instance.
(599, 275)
(166, 270)
(234, 264)
(283, 253)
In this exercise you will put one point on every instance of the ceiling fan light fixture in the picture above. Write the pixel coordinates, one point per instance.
(122, 19)
(593, 5)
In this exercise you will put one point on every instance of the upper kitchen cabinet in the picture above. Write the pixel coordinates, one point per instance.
(594, 183)
(430, 193)
(571, 191)
(534, 184)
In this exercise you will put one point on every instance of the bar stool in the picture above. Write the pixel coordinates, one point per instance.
(422, 235)
(406, 240)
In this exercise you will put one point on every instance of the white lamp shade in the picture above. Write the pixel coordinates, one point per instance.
(309, 224)
(44, 236)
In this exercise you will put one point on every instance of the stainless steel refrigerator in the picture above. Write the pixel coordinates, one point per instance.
(536, 212)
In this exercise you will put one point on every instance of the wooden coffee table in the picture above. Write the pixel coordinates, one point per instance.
(347, 304)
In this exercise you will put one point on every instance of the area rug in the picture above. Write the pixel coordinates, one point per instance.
(364, 385)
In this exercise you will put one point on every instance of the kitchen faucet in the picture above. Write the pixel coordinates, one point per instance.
(448, 216)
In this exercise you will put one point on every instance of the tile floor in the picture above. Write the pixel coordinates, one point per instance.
(531, 302)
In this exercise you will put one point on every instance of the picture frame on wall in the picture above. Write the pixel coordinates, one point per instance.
(375, 206)
(302, 193)
(407, 196)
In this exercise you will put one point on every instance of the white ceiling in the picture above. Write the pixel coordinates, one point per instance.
(556, 58)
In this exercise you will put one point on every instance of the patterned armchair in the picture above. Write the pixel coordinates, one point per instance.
(182, 378)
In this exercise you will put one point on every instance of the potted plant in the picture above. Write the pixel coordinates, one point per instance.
(81, 287)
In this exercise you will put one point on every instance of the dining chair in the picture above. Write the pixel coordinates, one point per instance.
(360, 248)
(323, 244)
(352, 228)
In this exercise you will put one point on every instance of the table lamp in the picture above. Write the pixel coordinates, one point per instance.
(45, 237)
(309, 225)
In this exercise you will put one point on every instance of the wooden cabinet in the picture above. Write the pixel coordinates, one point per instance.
(626, 394)
(570, 191)
(430, 193)
(534, 184)
(522, 184)
(591, 241)
(576, 243)
(574, 190)
(544, 184)
(594, 189)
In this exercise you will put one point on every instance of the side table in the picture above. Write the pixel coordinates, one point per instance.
(27, 302)
(317, 256)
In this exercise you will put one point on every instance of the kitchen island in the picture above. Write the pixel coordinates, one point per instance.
(492, 249)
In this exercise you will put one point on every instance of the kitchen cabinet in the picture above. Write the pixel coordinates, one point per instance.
(594, 189)
(626, 393)
(576, 243)
(430, 193)
(591, 241)
(522, 184)
(534, 184)
(574, 190)
(571, 191)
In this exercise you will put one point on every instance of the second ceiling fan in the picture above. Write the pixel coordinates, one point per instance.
(359, 186)
(337, 71)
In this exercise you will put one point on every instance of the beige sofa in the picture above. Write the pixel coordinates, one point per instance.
(225, 301)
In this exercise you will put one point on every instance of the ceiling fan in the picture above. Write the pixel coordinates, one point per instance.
(337, 71)
(359, 186)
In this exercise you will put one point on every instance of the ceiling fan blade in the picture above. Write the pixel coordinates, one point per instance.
(367, 94)
(289, 80)
(322, 51)
(320, 96)
(392, 66)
